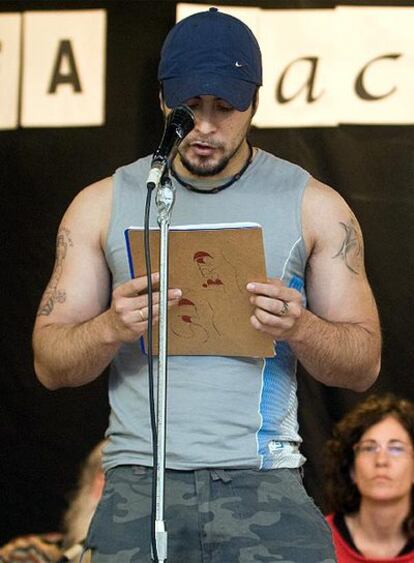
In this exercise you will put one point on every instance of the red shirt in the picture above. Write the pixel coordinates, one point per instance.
(346, 554)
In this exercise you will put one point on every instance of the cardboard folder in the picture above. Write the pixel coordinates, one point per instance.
(211, 264)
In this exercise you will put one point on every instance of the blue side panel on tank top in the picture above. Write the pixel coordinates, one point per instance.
(276, 382)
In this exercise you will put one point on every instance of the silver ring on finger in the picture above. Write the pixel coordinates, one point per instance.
(284, 310)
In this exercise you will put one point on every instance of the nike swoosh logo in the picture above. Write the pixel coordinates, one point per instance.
(239, 65)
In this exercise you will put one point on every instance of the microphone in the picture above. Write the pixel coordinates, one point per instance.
(178, 124)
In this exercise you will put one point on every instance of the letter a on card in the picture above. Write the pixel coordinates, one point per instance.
(64, 68)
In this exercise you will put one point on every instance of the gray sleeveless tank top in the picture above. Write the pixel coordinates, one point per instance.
(226, 412)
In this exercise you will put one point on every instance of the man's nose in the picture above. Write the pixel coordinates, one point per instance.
(204, 123)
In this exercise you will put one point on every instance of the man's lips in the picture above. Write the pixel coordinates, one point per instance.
(202, 149)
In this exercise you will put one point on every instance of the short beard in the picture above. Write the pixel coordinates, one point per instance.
(204, 170)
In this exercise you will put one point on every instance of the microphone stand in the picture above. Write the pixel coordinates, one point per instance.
(178, 124)
(164, 199)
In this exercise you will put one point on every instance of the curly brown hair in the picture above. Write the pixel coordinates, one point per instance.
(341, 493)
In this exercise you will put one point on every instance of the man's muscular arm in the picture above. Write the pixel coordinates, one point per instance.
(338, 338)
(79, 329)
(69, 329)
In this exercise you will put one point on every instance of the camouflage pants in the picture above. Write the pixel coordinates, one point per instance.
(212, 516)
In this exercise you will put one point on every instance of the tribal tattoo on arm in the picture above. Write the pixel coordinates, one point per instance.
(351, 250)
(53, 294)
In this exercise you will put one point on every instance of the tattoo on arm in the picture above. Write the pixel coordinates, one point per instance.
(350, 250)
(53, 294)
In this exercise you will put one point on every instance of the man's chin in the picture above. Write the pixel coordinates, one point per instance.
(203, 168)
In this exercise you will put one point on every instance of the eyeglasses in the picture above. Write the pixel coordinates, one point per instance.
(393, 448)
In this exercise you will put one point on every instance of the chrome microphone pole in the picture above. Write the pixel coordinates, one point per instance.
(178, 124)
(164, 199)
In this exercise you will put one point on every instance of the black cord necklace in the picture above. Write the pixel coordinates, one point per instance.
(218, 188)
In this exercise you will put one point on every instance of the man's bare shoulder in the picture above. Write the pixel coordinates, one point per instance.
(99, 193)
(323, 210)
(320, 198)
(90, 210)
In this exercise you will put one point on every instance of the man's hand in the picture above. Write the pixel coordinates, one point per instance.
(278, 309)
(129, 308)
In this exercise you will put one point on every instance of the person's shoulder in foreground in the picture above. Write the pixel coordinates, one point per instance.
(37, 548)
(67, 544)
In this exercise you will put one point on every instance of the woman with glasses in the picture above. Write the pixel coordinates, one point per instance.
(369, 482)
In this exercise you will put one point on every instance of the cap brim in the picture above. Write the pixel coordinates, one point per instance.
(238, 93)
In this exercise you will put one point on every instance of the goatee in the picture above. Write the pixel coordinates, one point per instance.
(206, 168)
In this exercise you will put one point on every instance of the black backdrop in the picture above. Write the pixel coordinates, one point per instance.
(44, 435)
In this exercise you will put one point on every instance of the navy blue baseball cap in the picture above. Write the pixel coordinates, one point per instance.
(210, 53)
